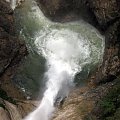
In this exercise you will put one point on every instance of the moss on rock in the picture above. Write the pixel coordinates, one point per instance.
(110, 104)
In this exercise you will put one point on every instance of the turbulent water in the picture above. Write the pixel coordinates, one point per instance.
(66, 47)
(66, 52)
(13, 3)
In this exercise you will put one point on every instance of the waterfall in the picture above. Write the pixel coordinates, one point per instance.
(67, 48)
(13, 4)
(66, 53)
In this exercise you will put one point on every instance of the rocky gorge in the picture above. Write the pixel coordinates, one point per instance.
(12, 51)
(100, 99)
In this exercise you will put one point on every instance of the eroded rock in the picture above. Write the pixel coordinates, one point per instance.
(12, 49)
(106, 11)
(107, 14)
(67, 10)
(17, 111)
(81, 102)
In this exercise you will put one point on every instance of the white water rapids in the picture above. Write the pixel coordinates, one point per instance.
(67, 48)
(14, 3)
(65, 55)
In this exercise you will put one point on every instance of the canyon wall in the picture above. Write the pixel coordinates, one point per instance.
(103, 14)
(12, 52)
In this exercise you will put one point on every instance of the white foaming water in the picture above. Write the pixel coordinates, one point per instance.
(66, 52)
(14, 3)
(67, 48)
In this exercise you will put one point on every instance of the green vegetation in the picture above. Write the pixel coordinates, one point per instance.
(2, 106)
(110, 104)
(4, 96)
(89, 117)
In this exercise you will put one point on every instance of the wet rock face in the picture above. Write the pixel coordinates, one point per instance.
(106, 11)
(81, 102)
(4, 7)
(66, 10)
(111, 63)
(10, 111)
(53, 8)
(12, 50)
(6, 18)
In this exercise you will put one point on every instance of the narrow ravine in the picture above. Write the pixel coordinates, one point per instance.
(67, 48)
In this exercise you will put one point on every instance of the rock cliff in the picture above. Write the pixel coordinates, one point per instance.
(108, 16)
(12, 51)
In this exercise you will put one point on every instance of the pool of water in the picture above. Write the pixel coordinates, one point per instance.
(36, 30)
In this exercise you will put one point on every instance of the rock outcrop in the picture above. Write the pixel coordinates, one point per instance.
(106, 11)
(81, 102)
(10, 111)
(67, 10)
(108, 17)
(100, 103)
(12, 51)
